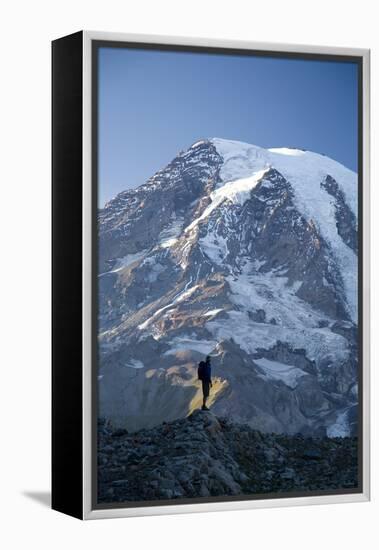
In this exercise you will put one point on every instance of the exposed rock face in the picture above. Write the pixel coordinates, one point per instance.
(345, 219)
(205, 456)
(134, 220)
(244, 253)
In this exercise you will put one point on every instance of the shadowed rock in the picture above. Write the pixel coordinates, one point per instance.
(204, 456)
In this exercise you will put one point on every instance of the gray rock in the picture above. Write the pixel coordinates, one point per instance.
(312, 454)
(233, 459)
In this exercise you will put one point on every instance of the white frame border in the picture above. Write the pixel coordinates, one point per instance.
(88, 512)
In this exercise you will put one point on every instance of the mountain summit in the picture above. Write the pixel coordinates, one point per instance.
(246, 253)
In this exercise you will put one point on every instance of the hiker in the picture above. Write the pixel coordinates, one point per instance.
(204, 374)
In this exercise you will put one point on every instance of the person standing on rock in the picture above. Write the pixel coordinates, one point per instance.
(205, 375)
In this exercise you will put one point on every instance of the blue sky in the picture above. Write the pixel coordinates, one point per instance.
(153, 104)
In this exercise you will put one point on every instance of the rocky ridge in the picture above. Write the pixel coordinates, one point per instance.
(205, 456)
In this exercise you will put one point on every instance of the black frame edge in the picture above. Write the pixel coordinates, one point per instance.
(67, 415)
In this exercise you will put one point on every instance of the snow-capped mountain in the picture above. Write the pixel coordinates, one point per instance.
(246, 253)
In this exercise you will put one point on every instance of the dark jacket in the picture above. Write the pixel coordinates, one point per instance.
(207, 372)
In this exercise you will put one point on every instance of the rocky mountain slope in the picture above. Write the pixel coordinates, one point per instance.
(204, 456)
(245, 253)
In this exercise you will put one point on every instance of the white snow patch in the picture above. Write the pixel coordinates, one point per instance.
(341, 426)
(273, 370)
(168, 242)
(127, 260)
(134, 364)
(318, 343)
(236, 191)
(200, 142)
(186, 249)
(215, 247)
(354, 390)
(288, 151)
(169, 236)
(241, 159)
(180, 297)
(270, 292)
(190, 343)
(212, 312)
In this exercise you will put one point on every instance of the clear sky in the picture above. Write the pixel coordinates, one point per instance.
(153, 104)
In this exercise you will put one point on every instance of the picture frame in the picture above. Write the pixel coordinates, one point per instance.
(77, 147)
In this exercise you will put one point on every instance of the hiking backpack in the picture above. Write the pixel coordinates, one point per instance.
(200, 370)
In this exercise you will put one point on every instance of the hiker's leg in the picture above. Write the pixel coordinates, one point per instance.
(205, 394)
